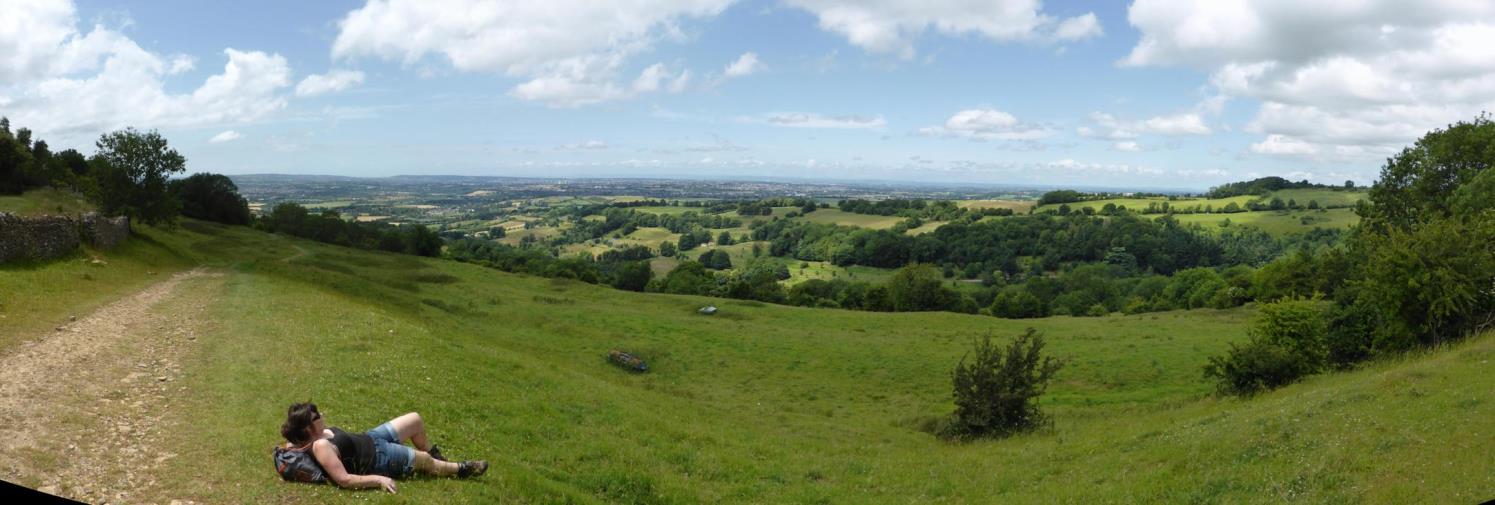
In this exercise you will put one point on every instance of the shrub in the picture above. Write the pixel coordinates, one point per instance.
(1255, 367)
(996, 392)
(1288, 342)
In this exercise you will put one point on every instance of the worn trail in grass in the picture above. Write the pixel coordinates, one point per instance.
(84, 404)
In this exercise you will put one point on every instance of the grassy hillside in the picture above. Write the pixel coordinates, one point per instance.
(837, 216)
(759, 404)
(45, 201)
(1279, 223)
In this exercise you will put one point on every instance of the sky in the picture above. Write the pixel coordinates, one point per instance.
(1146, 93)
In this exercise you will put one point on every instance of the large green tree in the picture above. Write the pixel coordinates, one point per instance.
(213, 197)
(133, 175)
(1427, 243)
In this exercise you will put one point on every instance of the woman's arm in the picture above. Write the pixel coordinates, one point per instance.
(326, 455)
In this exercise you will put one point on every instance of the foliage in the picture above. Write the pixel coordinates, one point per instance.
(328, 226)
(1288, 342)
(716, 259)
(1262, 187)
(919, 288)
(1428, 240)
(132, 173)
(996, 393)
(211, 197)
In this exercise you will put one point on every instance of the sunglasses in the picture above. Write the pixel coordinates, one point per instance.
(316, 415)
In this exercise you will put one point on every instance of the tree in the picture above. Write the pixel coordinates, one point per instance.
(667, 249)
(1313, 205)
(632, 276)
(725, 238)
(135, 167)
(716, 259)
(212, 197)
(1428, 239)
(996, 393)
(421, 241)
(1415, 185)
(920, 288)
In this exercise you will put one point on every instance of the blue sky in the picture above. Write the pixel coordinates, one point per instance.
(1148, 93)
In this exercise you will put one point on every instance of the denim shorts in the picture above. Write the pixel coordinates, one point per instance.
(391, 458)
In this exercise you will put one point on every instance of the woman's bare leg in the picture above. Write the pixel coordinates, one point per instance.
(411, 428)
(424, 463)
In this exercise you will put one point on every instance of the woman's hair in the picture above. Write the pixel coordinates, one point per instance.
(298, 418)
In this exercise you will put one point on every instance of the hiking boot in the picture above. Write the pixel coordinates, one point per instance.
(472, 469)
(435, 453)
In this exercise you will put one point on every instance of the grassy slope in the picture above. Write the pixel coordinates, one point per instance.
(45, 201)
(766, 403)
(1279, 223)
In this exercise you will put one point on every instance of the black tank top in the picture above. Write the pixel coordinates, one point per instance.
(356, 450)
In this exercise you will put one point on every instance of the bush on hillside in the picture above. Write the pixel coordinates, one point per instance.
(1288, 342)
(996, 393)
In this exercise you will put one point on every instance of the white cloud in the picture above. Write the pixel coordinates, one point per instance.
(569, 52)
(590, 145)
(746, 64)
(889, 26)
(812, 120)
(336, 80)
(1109, 127)
(1127, 146)
(1345, 81)
(181, 63)
(1079, 28)
(986, 124)
(71, 86)
(226, 136)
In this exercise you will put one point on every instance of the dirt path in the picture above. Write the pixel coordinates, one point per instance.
(82, 405)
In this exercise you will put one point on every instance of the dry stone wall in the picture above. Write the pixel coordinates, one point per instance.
(105, 232)
(46, 237)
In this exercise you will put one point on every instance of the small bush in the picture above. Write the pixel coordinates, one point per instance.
(1287, 343)
(996, 392)
(1258, 366)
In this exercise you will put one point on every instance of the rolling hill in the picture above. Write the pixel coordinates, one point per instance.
(759, 404)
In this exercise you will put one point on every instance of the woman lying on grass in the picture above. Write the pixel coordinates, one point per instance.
(374, 458)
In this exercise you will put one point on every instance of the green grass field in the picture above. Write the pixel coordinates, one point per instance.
(671, 210)
(45, 201)
(758, 404)
(837, 216)
(1324, 197)
(1279, 223)
(1017, 206)
(1140, 204)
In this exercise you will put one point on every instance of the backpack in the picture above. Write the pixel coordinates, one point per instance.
(298, 465)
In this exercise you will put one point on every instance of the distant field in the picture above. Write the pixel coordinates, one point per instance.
(836, 216)
(513, 237)
(330, 204)
(1324, 197)
(928, 226)
(777, 212)
(669, 210)
(1279, 223)
(45, 201)
(652, 236)
(1017, 206)
(1139, 204)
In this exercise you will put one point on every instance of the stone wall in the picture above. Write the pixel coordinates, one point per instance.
(37, 238)
(46, 237)
(104, 232)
